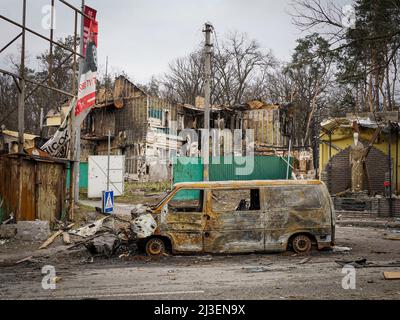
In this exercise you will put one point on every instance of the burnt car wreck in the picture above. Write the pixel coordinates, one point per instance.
(240, 217)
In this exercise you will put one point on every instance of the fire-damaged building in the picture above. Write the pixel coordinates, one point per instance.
(146, 129)
(139, 125)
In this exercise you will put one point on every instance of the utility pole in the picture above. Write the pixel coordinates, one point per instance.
(21, 95)
(106, 80)
(288, 160)
(77, 156)
(207, 91)
(108, 160)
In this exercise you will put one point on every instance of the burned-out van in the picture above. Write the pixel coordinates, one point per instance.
(243, 217)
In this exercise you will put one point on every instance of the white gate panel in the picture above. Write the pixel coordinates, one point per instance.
(98, 175)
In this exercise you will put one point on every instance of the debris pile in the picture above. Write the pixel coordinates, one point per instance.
(111, 235)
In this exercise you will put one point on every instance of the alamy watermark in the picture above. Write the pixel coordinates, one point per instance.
(48, 14)
(49, 281)
(349, 280)
(214, 146)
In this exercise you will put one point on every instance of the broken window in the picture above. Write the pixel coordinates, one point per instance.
(187, 201)
(236, 200)
(155, 113)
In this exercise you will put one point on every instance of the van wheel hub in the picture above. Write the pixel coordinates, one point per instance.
(302, 244)
(155, 247)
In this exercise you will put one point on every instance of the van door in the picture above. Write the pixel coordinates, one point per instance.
(182, 220)
(291, 210)
(234, 222)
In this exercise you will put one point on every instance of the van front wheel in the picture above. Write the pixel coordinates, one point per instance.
(155, 247)
(302, 244)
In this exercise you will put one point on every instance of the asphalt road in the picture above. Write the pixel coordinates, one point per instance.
(255, 276)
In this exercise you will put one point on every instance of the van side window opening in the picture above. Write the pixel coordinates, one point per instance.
(236, 200)
(187, 201)
(302, 198)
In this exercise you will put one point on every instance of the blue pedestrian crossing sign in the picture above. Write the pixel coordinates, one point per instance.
(108, 201)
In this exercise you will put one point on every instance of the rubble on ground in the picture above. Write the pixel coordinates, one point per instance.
(363, 263)
(33, 230)
(111, 235)
(89, 230)
(8, 231)
(104, 245)
(338, 249)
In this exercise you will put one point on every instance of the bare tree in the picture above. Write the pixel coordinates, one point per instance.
(184, 81)
(239, 68)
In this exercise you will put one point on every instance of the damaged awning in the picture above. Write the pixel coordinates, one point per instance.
(332, 124)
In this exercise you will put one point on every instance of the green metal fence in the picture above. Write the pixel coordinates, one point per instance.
(229, 169)
(83, 175)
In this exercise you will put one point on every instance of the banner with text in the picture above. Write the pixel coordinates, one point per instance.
(88, 70)
(58, 145)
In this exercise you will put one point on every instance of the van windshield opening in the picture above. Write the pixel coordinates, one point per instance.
(189, 200)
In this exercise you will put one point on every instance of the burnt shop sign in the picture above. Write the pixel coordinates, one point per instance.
(58, 145)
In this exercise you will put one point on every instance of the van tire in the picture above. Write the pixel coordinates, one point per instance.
(155, 247)
(301, 244)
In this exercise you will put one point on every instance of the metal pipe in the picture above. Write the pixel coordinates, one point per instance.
(390, 170)
(37, 83)
(51, 43)
(33, 90)
(288, 162)
(21, 94)
(207, 89)
(397, 150)
(78, 129)
(10, 43)
(108, 160)
(397, 160)
(81, 12)
(38, 34)
(74, 63)
(47, 77)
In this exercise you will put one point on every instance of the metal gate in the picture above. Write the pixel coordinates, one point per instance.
(98, 175)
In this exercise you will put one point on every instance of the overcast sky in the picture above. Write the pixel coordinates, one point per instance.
(141, 37)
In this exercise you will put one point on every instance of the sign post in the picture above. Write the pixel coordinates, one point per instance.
(108, 202)
(108, 196)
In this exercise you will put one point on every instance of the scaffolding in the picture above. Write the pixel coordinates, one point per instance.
(20, 79)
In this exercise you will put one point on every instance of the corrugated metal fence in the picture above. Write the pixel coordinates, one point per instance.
(229, 169)
(32, 187)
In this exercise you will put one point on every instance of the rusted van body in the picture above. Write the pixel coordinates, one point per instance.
(244, 217)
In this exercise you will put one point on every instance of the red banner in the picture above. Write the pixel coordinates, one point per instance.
(87, 81)
(87, 25)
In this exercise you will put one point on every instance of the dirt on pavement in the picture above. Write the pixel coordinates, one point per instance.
(252, 276)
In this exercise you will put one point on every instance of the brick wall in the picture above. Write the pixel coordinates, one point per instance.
(384, 207)
(379, 207)
(338, 172)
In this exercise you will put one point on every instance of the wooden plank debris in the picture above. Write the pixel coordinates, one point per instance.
(50, 240)
(66, 238)
(391, 275)
(394, 238)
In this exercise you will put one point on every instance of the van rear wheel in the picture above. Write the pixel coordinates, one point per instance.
(155, 247)
(302, 244)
